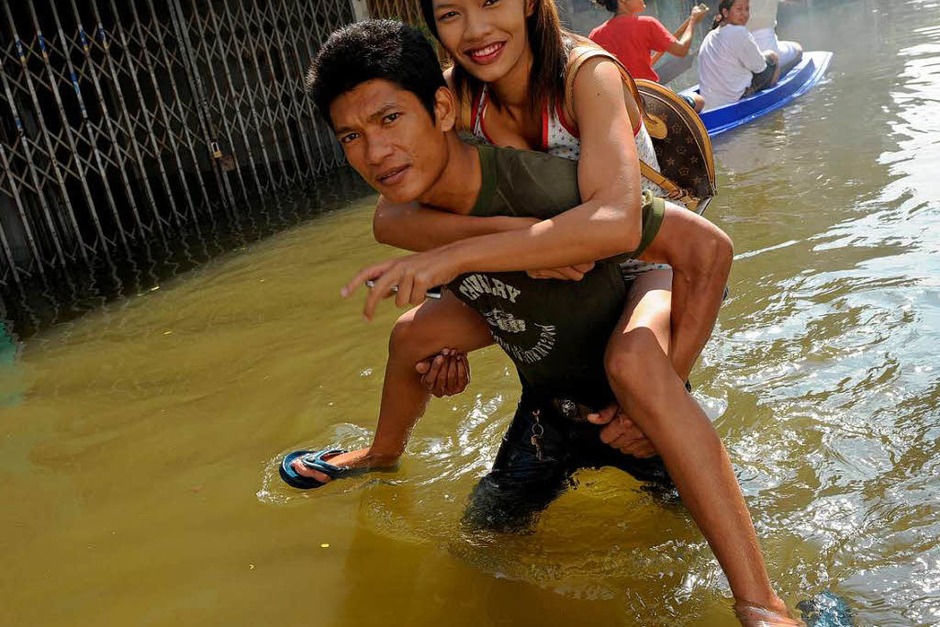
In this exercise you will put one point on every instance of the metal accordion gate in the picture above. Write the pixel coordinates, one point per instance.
(125, 122)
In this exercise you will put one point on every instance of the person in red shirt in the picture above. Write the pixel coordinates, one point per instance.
(632, 38)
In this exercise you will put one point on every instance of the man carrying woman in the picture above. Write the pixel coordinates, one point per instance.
(497, 42)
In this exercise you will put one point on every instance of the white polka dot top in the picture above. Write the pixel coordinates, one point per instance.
(561, 141)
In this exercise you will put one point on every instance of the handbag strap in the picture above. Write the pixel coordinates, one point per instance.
(656, 127)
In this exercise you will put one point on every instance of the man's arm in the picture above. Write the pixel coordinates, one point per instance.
(416, 228)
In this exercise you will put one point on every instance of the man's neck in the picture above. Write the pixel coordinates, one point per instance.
(458, 186)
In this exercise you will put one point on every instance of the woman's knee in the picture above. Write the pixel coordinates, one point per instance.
(631, 355)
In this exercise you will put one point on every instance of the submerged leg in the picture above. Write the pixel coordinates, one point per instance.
(530, 471)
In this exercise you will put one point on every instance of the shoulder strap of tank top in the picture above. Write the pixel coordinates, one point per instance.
(580, 53)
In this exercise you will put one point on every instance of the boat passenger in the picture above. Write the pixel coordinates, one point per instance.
(400, 136)
(633, 38)
(731, 65)
(763, 28)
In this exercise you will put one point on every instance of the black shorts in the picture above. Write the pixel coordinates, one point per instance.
(520, 485)
(762, 79)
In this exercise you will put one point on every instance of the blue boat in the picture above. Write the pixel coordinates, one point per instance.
(800, 79)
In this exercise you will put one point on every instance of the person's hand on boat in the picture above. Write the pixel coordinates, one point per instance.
(445, 374)
(622, 433)
(567, 273)
(407, 278)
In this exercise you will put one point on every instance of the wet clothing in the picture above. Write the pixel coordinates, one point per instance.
(728, 59)
(535, 463)
(556, 333)
(632, 38)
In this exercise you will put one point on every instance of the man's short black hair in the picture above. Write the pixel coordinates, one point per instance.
(374, 49)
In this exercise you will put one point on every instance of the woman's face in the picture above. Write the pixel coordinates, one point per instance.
(486, 37)
(739, 13)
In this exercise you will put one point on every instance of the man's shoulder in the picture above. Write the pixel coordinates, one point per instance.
(507, 155)
(531, 164)
(535, 183)
(605, 32)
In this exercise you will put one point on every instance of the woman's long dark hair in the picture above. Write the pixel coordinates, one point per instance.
(549, 55)
(719, 19)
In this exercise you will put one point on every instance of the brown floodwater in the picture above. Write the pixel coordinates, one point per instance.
(139, 443)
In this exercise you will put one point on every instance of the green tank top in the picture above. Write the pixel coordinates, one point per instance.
(554, 331)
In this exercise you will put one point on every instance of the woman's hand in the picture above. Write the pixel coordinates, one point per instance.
(406, 278)
(445, 374)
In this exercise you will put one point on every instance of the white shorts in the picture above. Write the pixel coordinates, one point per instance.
(766, 39)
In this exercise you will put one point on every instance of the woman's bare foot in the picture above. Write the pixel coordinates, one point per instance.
(753, 615)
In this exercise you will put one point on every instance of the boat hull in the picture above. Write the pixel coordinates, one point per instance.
(800, 79)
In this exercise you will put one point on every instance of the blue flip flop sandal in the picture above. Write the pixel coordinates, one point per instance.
(826, 609)
(314, 461)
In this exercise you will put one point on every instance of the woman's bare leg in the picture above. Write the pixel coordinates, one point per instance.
(420, 332)
(684, 437)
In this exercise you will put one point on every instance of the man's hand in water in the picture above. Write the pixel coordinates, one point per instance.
(445, 374)
(621, 433)
(568, 273)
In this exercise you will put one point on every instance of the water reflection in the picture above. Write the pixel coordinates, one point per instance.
(61, 296)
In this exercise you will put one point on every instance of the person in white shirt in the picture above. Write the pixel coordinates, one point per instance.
(731, 65)
(762, 25)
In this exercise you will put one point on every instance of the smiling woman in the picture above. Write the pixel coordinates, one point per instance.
(499, 40)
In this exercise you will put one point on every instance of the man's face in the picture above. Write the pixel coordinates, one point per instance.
(390, 139)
